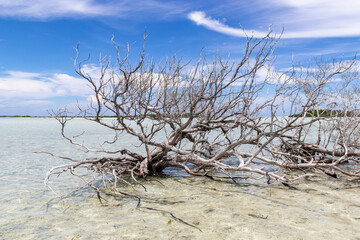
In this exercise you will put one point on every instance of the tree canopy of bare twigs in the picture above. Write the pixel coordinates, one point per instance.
(222, 117)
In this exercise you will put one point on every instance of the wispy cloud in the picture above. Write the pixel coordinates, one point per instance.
(301, 19)
(52, 8)
(49, 9)
(36, 86)
(201, 19)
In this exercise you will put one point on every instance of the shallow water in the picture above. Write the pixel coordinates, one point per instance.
(173, 207)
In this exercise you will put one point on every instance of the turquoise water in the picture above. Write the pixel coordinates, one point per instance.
(172, 208)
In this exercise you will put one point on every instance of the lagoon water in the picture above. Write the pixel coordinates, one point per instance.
(173, 207)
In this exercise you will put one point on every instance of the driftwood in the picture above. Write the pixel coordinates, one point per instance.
(220, 118)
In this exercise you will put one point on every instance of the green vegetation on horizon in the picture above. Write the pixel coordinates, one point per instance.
(326, 113)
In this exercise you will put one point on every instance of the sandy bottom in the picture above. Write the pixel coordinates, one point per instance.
(191, 208)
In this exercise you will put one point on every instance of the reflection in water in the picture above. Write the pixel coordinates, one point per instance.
(181, 207)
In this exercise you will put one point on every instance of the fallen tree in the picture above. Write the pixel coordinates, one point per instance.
(221, 117)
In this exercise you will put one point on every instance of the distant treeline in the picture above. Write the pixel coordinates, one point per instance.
(22, 116)
(185, 115)
(152, 115)
(327, 113)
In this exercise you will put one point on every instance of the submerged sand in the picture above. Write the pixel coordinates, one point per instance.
(196, 208)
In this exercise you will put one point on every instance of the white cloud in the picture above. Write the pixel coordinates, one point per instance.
(301, 19)
(37, 87)
(44, 9)
(70, 85)
(34, 86)
(321, 18)
(33, 93)
(52, 8)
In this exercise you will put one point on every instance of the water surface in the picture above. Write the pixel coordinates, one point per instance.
(173, 207)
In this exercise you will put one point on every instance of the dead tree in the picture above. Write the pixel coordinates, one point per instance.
(219, 117)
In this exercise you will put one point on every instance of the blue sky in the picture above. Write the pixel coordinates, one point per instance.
(37, 38)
